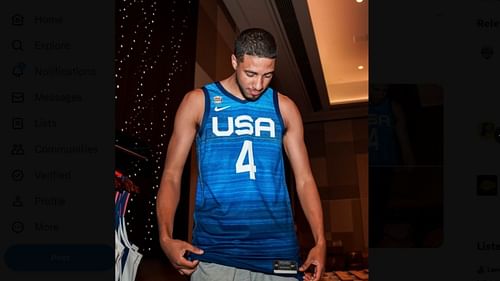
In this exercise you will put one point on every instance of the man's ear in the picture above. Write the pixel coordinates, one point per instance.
(234, 61)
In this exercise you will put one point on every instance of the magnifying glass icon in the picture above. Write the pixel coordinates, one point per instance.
(17, 45)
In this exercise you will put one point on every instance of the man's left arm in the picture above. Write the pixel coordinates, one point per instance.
(307, 191)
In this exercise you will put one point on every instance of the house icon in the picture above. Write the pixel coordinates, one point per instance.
(18, 20)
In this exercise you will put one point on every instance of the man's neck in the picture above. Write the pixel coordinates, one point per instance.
(231, 86)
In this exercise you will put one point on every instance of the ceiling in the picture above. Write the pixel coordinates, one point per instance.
(321, 43)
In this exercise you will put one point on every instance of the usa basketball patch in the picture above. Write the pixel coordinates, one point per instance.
(217, 99)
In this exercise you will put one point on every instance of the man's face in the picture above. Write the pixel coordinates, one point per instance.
(253, 75)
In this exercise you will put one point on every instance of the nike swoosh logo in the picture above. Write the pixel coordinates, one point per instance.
(221, 108)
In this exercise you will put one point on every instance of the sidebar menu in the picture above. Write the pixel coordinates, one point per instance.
(58, 159)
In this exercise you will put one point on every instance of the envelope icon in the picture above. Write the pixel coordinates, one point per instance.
(17, 97)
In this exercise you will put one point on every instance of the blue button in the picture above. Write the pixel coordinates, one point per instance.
(60, 257)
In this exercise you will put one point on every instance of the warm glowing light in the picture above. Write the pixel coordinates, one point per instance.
(360, 67)
(340, 56)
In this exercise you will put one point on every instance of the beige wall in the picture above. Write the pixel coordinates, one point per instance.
(214, 43)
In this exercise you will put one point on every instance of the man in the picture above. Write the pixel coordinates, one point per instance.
(243, 219)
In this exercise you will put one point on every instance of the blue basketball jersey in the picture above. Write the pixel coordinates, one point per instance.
(243, 216)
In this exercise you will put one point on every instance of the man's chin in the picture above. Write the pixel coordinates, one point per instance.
(252, 97)
(249, 97)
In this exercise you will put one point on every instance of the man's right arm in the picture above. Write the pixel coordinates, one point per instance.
(187, 118)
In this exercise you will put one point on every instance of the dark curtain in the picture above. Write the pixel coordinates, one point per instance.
(154, 66)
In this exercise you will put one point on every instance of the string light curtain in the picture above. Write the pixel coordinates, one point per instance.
(154, 68)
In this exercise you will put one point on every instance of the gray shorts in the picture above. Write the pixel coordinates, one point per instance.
(216, 272)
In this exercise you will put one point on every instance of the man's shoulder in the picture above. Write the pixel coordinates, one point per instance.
(195, 92)
(289, 110)
(194, 96)
(285, 101)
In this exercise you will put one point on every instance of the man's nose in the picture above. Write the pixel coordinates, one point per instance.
(259, 84)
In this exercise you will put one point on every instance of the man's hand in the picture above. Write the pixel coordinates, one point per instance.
(314, 266)
(176, 251)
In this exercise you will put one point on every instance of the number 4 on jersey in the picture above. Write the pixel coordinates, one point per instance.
(246, 149)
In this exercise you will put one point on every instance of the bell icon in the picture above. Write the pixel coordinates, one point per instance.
(18, 69)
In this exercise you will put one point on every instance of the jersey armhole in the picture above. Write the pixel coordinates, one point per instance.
(278, 111)
(205, 112)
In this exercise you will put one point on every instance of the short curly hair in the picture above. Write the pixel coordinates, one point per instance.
(255, 42)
